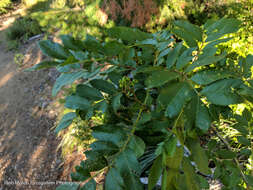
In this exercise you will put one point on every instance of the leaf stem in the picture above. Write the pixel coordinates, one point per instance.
(133, 129)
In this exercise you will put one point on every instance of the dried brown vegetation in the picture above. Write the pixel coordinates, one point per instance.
(137, 12)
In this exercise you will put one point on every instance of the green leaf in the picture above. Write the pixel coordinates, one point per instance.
(247, 114)
(199, 156)
(242, 129)
(71, 43)
(94, 162)
(243, 140)
(173, 55)
(128, 34)
(68, 68)
(249, 179)
(79, 55)
(170, 146)
(203, 183)
(66, 120)
(189, 175)
(115, 77)
(190, 33)
(88, 92)
(109, 133)
(205, 60)
(76, 102)
(247, 66)
(53, 50)
(104, 86)
(245, 151)
(129, 169)
(114, 180)
(149, 42)
(203, 119)
(90, 185)
(246, 92)
(178, 95)
(102, 106)
(185, 36)
(213, 44)
(190, 111)
(226, 154)
(72, 186)
(116, 102)
(222, 27)
(175, 161)
(43, 65)
(207, 77)
(149, 69)
(168, 179)
(185, 58)
(221, 92)
(163, 45)
(81, 174)
(69, 61)
(159, 78)
(66, 79)
(104, 147)
(113, 48)
(155, 172)
(194, 30)
(163, 53)
(145, 117)
(137, 145)
(92, 44)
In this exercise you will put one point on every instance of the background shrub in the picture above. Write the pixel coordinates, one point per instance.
(5, 5)
(22, 29)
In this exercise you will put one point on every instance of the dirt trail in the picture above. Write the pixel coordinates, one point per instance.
(28, 148)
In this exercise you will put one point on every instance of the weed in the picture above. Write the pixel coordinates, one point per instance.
(19, 59)
(22, 29)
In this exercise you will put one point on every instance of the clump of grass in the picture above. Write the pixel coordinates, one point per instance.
(21, 30)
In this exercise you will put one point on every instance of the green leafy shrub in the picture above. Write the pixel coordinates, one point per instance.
(163, 102)
(4, 6)
(22, 29)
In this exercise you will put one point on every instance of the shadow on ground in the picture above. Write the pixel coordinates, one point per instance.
(29, 158)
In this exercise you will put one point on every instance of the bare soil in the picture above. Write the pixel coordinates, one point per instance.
(29, 158)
